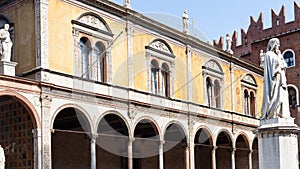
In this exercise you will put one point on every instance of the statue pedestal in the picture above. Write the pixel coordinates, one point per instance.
(8, 68)
(278, 143)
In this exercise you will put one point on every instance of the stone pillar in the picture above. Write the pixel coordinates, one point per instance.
(192, 155)
(46, 134)
(187, 156)
(8, 68)
(37, 142)
(213, 157)
(93, 151)
(250, 159)
(278, 144)
(161, 154)
(130, 156)
(233, 158)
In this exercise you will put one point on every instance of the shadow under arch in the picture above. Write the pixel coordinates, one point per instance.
(175, 145)
(224, 149)
(203, 148)
(70, 138)
(242, 151)
(112, 140)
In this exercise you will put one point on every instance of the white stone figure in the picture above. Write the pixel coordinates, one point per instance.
(127, 4)
(2, 158)
(185, 19)
(275, 96)
(262, 58)
(228, 44)
(6, 43)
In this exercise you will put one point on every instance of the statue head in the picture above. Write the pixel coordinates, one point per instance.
(273, 44)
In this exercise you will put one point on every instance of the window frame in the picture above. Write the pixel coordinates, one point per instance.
(249, 84)
(98, 32)
(294, 61)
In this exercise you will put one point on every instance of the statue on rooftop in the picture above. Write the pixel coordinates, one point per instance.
(6, 43)
(228, 44)
(185, 19)
(275, 95)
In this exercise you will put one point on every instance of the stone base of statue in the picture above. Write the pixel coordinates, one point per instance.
(8, 68)
(278, 143)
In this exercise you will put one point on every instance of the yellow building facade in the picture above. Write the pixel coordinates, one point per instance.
(99, 85)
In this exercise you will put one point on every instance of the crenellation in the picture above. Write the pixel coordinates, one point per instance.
(219, 44)
(256, 31)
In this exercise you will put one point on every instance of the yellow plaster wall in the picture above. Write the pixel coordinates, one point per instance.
(180, 73)
(140, 40)
(22, 14)
(61, 51)
(226, 88)
(197, 82)
(61, 41)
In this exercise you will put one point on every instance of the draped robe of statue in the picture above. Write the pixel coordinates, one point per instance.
(275, 93)
(2, 158)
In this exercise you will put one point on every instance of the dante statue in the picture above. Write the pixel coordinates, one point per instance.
(275, 96)
(2, 158)
(6, 43)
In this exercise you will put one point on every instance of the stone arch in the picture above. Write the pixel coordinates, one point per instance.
(27, 105)
(242, 149)
(174, 122)
(226, 132)
(224, 149)
(249, 78)
(75, 106)
(161, 45)
(156, 126)
(207, 131)
(245, 136)
(214, 65)
(117, 114)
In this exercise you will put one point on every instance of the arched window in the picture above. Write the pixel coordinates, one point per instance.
(249, 86)
(100, 62)
(252, 104)
(289, 57)
(209, 92)
(292, 97)
(92, 37)
(217, 94)
(213, 79)
(246, 102)
(154, 77)
(85, 48)
(165, 77)
(161, 60)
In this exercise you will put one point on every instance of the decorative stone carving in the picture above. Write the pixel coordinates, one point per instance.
(249, 79)
(214, 66)
(93, 21)
(6, 44)
(160, 46)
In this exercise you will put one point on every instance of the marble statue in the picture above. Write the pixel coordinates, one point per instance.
(2, 158)
(262, 57)
(6, 43)
(275, 95)
(228, 43)
(185, 19)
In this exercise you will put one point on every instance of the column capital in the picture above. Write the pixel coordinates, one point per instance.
(36, 133)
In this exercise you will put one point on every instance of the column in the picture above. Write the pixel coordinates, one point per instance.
(93, 151)
(189, 73)
(187, 156)
(213, 157)
(232, 86)
(130, 55)
(161, 154)
(250, 159)
(37, 141)
(130, 162)
(192, 155)
(233, 158)
(46, 133)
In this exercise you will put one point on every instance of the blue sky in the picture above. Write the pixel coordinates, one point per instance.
(215, 18)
